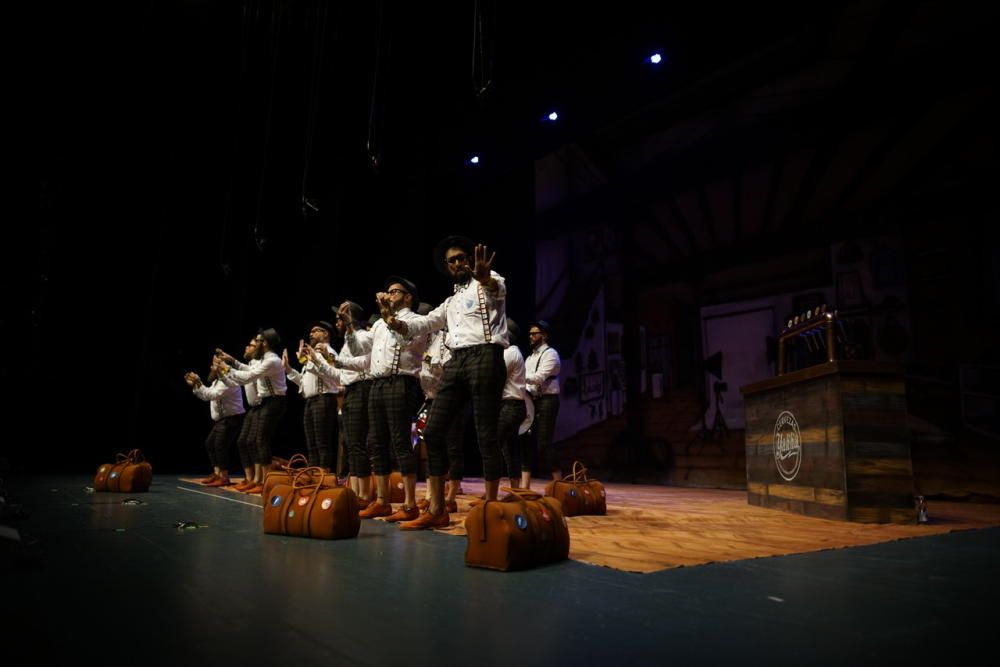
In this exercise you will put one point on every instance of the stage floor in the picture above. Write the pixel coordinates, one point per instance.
(651, 528)
(93, 578)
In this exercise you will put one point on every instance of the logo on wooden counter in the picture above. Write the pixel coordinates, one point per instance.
(787, 446)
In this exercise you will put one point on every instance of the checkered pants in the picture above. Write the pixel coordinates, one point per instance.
(318, 423)
(271, 410)
(355, 419)
(392, 406)
(546, 411)
(478, 374)
(512, 448)
(455, 437)
(343, 461)
(222, 436)
(244, 442)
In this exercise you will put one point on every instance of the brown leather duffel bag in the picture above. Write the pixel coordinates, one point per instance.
(307, 508)
(578, 494)
(288, 470)
(130, 473)
(523, 530)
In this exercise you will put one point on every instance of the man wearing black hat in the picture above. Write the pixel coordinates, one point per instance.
(394, 364)
(543, 366)
(269, 377)
(357, 386)
(475, 316)
(320, 413)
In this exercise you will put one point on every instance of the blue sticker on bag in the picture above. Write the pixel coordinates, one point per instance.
(113, 475)
(275, 501)
(572, 492)
(521, 522)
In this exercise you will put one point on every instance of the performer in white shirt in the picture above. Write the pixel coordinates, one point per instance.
(269, 377)
(542, 367)
(319, 416)
(357, 387)
(516, 414)
(394, 363)
(226, 408)
(475, 316)
(244, 442)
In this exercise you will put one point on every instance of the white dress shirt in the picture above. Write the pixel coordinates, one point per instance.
(543, 366)
(224, 401)
(391, 353)
(311, 382)
(515, 387)
(267, 373)
(436, 356)
(473, 316)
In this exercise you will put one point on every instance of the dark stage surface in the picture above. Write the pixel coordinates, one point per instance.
(97, 579)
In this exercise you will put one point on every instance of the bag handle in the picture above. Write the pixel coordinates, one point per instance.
(579, 474)
(297, 458)
(305, 478)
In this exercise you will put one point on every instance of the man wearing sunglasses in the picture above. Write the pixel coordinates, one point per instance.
(476, 319)
(393, 362)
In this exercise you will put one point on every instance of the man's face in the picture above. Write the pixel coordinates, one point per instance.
(458, 263)
(399, 297)
(260, 347)
(536, 337)
(318, 335)
(250, 351)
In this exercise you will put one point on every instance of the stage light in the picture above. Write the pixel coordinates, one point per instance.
(553, 116)
(656, 58)
(474, 159)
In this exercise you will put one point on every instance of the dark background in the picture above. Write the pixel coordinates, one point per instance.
(164, 151)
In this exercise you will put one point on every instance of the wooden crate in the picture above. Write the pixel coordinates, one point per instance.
(841, 430)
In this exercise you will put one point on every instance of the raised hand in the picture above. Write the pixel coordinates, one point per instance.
(482, 267)
(284, 360)
(228, 358)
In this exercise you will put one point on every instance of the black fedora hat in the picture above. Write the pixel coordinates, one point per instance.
(409, 286)
(452, 241)
(541, 324)
(322, 324)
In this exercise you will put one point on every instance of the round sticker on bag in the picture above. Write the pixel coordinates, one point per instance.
(327, 502)
(546, 515)
(113, 475)
(103, 468)
(586, 490)
(275, 501)
(291, 513)
(521, 522)
(303, 500)
(572, 492)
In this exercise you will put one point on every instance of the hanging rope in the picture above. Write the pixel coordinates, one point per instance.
(482, 59)
(372, 145)
(315, 99)
(274, 44)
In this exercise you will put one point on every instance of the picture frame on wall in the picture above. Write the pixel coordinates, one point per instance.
(849, 289)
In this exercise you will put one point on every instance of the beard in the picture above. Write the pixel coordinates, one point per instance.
(462, 275)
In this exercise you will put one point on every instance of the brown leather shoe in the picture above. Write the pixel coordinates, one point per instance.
(451, 506)
(255, 490)
(375, 510)
(211, 478)
(244, 485)
(222, 481)
(426, 521)
(403, 514)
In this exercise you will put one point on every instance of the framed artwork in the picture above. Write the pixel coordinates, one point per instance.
(849, 290)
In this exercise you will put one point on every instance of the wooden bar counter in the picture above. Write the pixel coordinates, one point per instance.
(831, 441)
